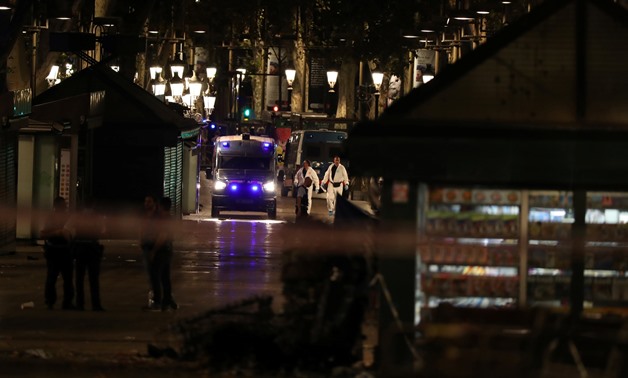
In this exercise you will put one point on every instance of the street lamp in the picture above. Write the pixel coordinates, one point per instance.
(332, 76)
(176, 86)
(52, 76)
(378, 77)
(154, 71)
(194, 86)
(211, 73)
(208, 102)
(240, 72)
(428, 74)
(157, 83)
(290, 74)
(177, 68)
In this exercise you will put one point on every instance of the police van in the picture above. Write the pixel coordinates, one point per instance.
(243, 172)
(317, 146)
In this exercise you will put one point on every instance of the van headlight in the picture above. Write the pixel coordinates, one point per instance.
(219, 185)
(269, 186)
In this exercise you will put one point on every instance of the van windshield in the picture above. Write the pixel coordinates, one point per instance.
(321, 151)
(244, 162)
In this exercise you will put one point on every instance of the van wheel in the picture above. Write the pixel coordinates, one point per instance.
(272, 214)
(272, 211)
(215, 212)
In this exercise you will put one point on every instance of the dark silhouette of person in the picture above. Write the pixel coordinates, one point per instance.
(87, 227)
(273, 68)
(161, 259)
(148, 239)
(58, 254)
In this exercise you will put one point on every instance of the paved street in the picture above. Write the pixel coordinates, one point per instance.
(216, 262)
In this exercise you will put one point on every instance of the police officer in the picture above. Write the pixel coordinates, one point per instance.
(58, 254)
(87, 227)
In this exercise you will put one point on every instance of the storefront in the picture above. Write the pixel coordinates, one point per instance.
(8, 185)
(15, 107)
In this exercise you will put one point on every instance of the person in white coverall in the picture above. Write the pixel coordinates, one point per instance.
(299, 177)
(336, 180)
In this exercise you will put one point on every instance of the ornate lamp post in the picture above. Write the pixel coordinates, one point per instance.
(208, 102)
(52, 76)
(209, 97)
(378, 77)
(332, 76)
(240, 72)
(157, 82)
(211, 73)
(176, 86)
(154, 71)
(176, 82)
(195, 87)
(290, 74)
(428, 74)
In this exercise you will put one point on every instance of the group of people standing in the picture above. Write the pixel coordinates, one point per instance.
(72, 245)
(335, 183)
(72, 241)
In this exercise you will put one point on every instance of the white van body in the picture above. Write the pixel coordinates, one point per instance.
(244, 174)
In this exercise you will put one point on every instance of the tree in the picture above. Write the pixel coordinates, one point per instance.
(353, 32)
(10, 27)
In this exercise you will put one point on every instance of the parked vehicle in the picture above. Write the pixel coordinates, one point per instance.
(244, 174)
(317, 146)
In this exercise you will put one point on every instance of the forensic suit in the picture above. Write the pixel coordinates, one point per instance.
(300, 179)
(336, 180)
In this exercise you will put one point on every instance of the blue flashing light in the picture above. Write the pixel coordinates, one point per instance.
(266, 145)
(212, 126)
(234, 187)
(225, 144)
(255, 188)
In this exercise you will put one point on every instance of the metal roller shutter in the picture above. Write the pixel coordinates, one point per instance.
(8, 185)
(173, 176)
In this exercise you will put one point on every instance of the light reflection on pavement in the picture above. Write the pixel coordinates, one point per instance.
(216, 262)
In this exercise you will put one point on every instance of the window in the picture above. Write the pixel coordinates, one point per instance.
(244, 162)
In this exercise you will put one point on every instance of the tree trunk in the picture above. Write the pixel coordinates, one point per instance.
(346, 88)
(299, 86)
(299, 58)
(259, 82)
(10, 29)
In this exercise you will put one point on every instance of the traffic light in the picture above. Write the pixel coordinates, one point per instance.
(246, 114)
(276, 108)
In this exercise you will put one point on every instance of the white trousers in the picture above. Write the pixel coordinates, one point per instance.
(331, 196)
(309, 198)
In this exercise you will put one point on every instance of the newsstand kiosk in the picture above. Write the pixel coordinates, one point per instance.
(505, 180)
